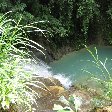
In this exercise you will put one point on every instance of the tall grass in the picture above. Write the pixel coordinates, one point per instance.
(15, 82)
(106, 81)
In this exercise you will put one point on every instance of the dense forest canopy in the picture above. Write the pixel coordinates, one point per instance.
(74, 21)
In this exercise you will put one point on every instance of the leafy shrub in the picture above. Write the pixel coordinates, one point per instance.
(15, 82)
(87, 10)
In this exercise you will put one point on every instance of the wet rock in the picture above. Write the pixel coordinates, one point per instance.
(55, 90)
(51, 91)
(48, 81)
(44, 86)
(49, 98)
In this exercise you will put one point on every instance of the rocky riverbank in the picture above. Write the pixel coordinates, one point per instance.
(54, 90)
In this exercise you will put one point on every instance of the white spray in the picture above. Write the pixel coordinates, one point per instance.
(42, 69)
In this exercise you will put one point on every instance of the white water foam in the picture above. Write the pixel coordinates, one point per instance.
(65, 81)
(43, 70)
(40, 69)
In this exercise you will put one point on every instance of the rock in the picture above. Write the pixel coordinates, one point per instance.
(48, 81)
(104, 109)
(51, 91)
(46, 86)
(49, 97)
(56, 90)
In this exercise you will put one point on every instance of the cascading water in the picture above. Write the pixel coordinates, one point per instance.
(43, 70)
(70, 68)
(67, 70)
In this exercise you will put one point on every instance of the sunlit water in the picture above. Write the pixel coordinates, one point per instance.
(79, 65)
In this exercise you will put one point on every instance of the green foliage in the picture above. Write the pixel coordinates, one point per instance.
(15, 82)
(57, 16)
(19, 7)
(5, 5)
(60, 26)
(72, 104)
(87, 10)
(77, 20)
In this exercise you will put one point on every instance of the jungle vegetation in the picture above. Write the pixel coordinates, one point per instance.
(73, 22)
(63, 22)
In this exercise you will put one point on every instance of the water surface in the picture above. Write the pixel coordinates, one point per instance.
(75, 64)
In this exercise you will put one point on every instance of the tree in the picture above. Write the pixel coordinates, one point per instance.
(81, 21)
